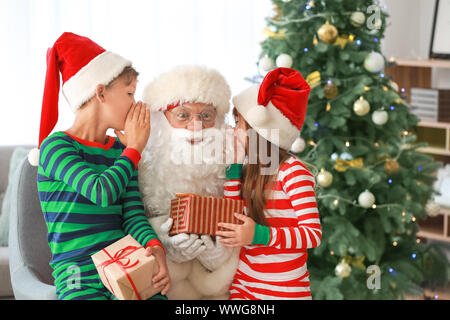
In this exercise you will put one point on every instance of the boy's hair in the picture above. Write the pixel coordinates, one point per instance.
(128, 75)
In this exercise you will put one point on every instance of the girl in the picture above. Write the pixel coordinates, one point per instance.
(87, 180)
(282, 220)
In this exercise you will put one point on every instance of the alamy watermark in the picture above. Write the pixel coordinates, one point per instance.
(373, 22)
(374, 277)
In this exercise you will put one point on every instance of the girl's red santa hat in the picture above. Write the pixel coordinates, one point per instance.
(83, 65)
(277, 105)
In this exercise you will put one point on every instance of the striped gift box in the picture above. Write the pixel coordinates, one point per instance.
(195, 214)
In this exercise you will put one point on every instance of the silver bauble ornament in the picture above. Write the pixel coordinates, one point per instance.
(366, 199)
(374, 62)
(380, 117)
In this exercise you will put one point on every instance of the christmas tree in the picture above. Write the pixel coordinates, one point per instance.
(373, 184)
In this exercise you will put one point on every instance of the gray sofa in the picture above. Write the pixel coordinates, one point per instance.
(5, 279)
(6, 152)
(28, 254)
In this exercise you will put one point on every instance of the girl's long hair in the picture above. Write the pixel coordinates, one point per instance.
(262, 184)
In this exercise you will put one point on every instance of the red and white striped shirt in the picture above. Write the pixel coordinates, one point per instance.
(278, 270)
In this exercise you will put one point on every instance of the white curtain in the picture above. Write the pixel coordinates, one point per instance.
(155, 34)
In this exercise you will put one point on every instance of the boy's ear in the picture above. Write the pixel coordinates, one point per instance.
(99, 92)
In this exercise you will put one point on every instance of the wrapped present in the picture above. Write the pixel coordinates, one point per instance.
(126, 271)
(192, 213)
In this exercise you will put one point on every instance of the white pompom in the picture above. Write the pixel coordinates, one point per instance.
(298, 145)
(257, 115)
(33, 157)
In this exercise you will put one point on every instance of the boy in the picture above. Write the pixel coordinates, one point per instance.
(87, 181)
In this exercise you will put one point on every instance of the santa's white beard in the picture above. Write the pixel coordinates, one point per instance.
(170, 164)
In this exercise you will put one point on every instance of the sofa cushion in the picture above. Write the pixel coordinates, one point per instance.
(5, 279)
(17, 156)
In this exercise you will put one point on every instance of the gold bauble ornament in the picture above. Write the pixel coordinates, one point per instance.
(343, 269)
(330, 90)
(361, 107)
(391, 166)
(327, 33)
(324, 178)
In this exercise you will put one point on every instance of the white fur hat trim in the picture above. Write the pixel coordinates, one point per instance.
(190, 83)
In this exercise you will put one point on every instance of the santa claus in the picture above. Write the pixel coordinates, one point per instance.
(185, 155)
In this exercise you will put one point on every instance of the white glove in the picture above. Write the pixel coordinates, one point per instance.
(181, 247)
(215, 254)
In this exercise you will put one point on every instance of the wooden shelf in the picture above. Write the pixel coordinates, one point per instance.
(417, 73)
(437, 227)
(434, 150)
(423, 63)
(437, 135)
(432, 124)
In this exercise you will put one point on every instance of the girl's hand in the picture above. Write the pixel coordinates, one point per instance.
(137, 127)
(240, 234)
(162, 278)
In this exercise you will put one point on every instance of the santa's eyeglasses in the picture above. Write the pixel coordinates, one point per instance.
(183, 115)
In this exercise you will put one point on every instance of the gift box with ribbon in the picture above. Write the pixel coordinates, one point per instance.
(126, 271)
(192, 213)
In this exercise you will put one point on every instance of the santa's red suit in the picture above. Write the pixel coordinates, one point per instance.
(199, 267)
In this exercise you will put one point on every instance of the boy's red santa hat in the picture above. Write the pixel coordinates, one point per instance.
(188, 84)
(83, 65)
(279, 102)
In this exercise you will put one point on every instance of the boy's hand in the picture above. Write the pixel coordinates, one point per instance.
(162, 277)
(240, 234)
(137, 127)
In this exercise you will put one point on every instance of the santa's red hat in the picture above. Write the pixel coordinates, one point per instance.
(83, 65)
(277, 105)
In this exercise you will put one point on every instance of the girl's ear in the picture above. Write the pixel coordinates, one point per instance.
(100, 93)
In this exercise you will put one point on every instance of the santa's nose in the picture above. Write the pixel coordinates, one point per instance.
(195, 124)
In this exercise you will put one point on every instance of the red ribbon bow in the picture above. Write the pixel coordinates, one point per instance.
(122, 260)
(288, 91)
